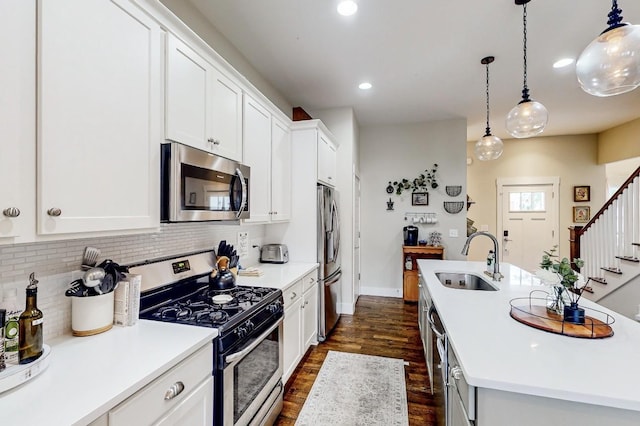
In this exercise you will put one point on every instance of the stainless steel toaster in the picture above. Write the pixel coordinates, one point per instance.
(274, 253)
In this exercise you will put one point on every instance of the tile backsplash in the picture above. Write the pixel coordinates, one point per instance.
(55, 262)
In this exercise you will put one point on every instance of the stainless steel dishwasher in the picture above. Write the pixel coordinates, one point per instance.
(439, 345)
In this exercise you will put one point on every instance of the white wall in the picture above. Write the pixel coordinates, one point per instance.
(389, 153)
(625, 300)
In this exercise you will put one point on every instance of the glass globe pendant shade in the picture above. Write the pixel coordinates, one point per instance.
(488, 148)
(527, 119)
(610, 64)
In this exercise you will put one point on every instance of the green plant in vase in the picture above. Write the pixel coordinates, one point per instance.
(566, 284)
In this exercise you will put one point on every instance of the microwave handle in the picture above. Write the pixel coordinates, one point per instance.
(243, 203)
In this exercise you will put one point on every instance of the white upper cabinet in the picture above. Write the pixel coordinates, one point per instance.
(99, 116)
(280, 171)
(267, 150)
(257, 143)
(326, 160)
(17, 125)
(204, 107)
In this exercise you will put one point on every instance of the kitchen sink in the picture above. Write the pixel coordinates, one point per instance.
(464, 281)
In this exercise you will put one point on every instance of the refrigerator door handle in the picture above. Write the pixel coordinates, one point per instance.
(335, 227)
(331, 279)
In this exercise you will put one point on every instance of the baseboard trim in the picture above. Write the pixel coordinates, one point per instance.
(381, 291)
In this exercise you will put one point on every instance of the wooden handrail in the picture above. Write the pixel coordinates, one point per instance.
(595, 217)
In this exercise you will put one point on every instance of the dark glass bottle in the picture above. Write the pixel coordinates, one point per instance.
(30, 347)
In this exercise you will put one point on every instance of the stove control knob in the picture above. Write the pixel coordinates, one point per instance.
(275, 307)
(250, 326)
(241, 332)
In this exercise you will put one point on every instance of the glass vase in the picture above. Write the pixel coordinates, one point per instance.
(556, 299)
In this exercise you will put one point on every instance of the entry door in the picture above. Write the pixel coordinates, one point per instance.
(527, 222)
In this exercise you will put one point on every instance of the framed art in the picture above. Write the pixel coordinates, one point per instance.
(581, 193)
(581, 214)
(420, 199)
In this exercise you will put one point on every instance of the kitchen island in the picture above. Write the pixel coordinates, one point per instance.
(525, 376)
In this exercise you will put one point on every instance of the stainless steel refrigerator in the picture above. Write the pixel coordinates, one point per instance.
(330, 271)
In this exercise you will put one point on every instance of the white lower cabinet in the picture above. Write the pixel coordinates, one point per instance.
(310, 312)
(181, 396)
(292, 329)
(300, 321)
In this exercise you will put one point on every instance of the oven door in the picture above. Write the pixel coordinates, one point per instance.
(200, 186)
(253, 379)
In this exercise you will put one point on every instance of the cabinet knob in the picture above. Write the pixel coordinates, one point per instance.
(210, 140)
(173, 391)
(11, 212)
(213, 141)
(54, 211)
(456, 373)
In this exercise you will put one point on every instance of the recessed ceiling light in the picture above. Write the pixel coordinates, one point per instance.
(365, 86)
(564, 62)
(347, 7)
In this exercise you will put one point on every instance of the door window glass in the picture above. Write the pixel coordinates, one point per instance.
(527, 202)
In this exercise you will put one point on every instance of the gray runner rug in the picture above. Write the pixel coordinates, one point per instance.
(357, 390)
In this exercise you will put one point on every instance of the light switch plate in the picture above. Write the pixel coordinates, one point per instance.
(453, 233)
(243, 244)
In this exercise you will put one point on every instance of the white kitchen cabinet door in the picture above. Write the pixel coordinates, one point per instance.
(17, 125)
(310, 320)
(326, 160)
(188, 83)
(280, 171)
(257, 155)
(226, 116)
(195, 410)
(204, 107)
(292, 346)
(99, 117)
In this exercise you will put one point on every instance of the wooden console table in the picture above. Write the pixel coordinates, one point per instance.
(410, 276)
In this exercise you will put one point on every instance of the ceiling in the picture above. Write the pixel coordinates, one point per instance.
(423, 58)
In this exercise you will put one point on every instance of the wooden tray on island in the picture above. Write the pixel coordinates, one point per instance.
(536, 316)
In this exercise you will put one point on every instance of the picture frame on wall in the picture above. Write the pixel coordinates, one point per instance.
(581, 214)
(420, 199)
(581, 193)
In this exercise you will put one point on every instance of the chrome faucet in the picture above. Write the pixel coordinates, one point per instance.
(496, 265)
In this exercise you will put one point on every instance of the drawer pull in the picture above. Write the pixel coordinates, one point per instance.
(54, 212)
(173, 391)
(293, 295)
(11, 212)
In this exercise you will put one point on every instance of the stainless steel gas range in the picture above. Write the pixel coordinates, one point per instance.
(247, 365)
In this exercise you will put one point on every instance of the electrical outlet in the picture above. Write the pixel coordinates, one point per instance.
(453, 233)
(243, 244)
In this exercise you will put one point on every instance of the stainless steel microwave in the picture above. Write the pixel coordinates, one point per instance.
(199, 186)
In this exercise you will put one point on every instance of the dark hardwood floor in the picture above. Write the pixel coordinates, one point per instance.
(381, 326)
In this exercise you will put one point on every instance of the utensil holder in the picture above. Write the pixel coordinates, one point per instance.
(92, 314)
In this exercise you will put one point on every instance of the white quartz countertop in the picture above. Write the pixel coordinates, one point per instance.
(87, 376)
(277, 275)
(497, 352)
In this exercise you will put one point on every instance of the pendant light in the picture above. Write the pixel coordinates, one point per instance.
(610, 64)
(489, 147)
(529, 117)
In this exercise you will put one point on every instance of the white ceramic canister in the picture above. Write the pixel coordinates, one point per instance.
(92, 314)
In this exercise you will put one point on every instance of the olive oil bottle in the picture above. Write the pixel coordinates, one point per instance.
(31, 321)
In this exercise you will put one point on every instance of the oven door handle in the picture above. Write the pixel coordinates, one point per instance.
(243, 202)
(230, 359)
